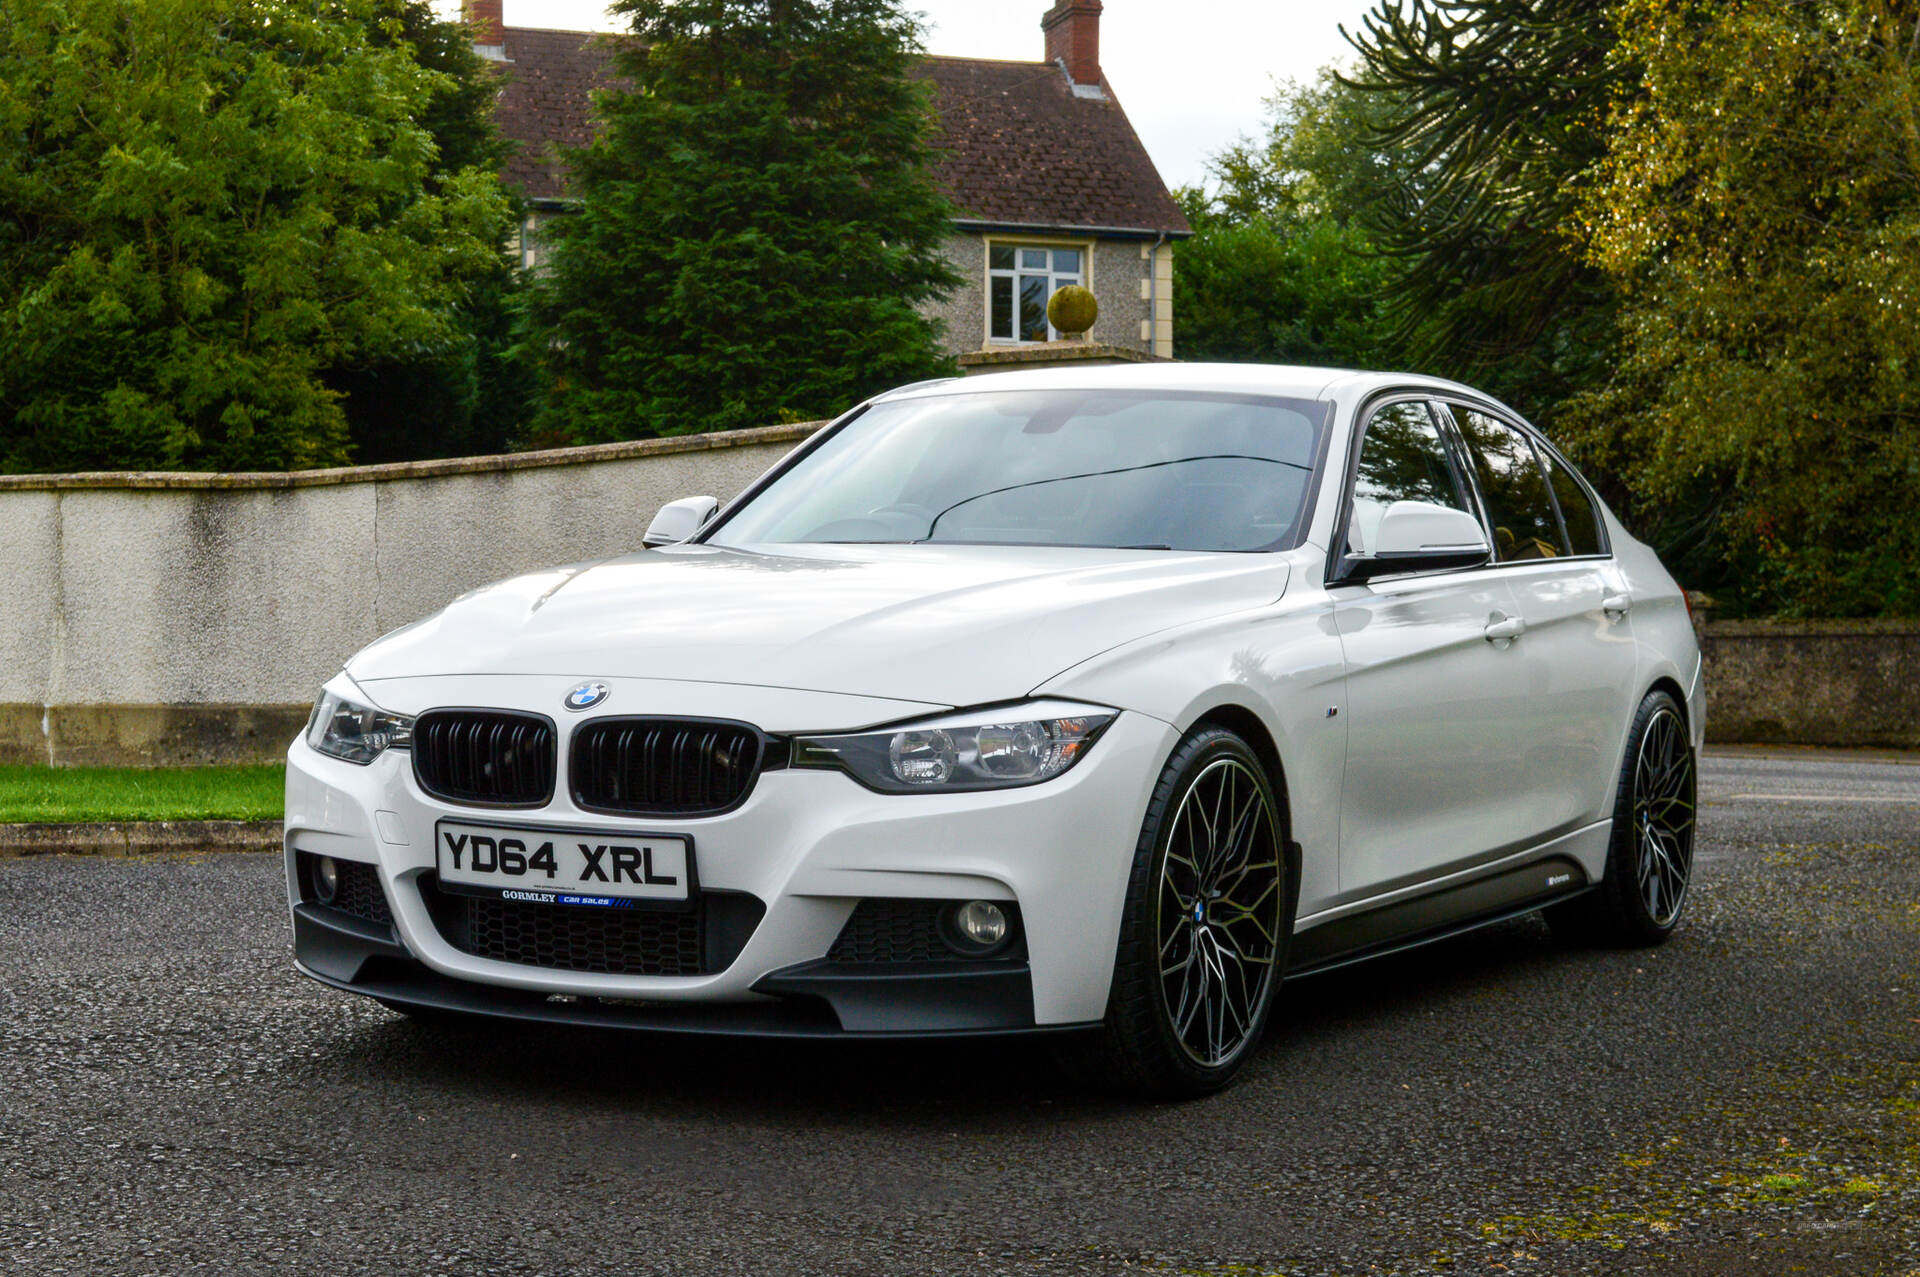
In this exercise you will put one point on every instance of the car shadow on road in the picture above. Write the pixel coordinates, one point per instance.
(1387, 985)
(988, 1079)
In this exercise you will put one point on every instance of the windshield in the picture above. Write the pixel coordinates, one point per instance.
(1154, 470)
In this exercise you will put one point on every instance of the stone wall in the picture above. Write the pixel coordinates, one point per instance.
(191, 617)
(1813, 682)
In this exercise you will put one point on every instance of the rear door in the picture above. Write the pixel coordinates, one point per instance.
(1430, 694)
(1576, 657)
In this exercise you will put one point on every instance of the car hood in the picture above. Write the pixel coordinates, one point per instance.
(948, 625)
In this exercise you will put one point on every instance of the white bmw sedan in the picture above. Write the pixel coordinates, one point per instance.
(1086, 700)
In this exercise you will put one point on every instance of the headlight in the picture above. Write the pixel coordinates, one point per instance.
(357, 733)
(995, 749)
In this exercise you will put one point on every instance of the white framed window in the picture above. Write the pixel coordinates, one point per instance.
(1021, 279)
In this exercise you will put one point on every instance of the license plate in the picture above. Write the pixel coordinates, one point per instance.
(560, 866)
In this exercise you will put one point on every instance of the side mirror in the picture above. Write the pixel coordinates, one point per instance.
(680, 519)
(1419, 536)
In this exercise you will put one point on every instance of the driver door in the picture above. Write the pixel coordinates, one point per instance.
(1431, 694)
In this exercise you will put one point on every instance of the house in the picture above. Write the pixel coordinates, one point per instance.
(545, 106)
(1052, 184)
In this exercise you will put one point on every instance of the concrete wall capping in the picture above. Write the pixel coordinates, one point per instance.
(1797, 629)
(401, 470)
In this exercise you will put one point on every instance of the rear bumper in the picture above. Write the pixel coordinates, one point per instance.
(810, 1000)
(1697, 704)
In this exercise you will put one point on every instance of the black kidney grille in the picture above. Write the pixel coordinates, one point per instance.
(660, 766)
(495, 758)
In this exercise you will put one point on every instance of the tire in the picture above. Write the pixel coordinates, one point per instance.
(1185, 1026)
(1643, 891)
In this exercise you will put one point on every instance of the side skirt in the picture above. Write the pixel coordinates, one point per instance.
(1443, 913)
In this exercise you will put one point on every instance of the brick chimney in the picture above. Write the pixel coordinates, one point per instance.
(1073, 38)
(488, 20)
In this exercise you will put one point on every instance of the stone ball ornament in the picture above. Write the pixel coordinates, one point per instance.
(1072, 310)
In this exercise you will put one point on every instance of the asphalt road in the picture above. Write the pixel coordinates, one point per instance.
(1744, 1100)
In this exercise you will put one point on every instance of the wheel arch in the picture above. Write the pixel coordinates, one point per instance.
(1664, 681)
(1671, 686)
(1251, 728)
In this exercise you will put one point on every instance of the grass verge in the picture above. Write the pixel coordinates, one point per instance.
(31, 794)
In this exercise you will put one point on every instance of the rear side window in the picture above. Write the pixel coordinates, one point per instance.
(1515, 489)
(1577, 510)
(1401, 459)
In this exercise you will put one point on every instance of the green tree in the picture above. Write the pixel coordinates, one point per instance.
(1321, 156)
(759, 223)
(1275, 289)
(1501, 105)
(1760, 207)
(1280, 268)
(468, 394)
(205, 205)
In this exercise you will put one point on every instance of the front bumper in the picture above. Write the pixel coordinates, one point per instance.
(816, 999)
(809, 845)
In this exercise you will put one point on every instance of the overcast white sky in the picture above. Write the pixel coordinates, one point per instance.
(1191, 73)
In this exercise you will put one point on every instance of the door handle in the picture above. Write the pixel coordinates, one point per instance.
(1617, 605)
(1501, 628)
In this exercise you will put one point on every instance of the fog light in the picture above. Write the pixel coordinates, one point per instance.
(982, 922)
(326, 879)
(976, 928)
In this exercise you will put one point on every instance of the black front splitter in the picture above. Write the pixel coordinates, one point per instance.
(813, 1000)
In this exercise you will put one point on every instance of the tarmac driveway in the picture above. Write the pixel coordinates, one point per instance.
(1744, 1100)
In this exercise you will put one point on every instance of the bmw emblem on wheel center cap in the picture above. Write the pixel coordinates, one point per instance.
(586, 695)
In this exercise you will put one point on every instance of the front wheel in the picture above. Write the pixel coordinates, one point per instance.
(1650, 859)
(1203, 937)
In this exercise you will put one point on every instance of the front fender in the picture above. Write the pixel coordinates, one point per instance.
(1282, 664)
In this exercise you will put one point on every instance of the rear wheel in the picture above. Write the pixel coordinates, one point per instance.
(1650, 860)
(1203, 937)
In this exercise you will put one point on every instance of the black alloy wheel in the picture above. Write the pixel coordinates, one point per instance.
(1204, 935)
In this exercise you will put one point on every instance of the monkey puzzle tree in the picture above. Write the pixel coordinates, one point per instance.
(1501, 105)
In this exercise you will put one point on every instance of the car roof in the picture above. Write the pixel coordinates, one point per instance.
(1283, 380)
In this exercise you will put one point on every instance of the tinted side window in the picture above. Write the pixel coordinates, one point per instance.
(1576, 508)
(1401, 459)
(1514, 487)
